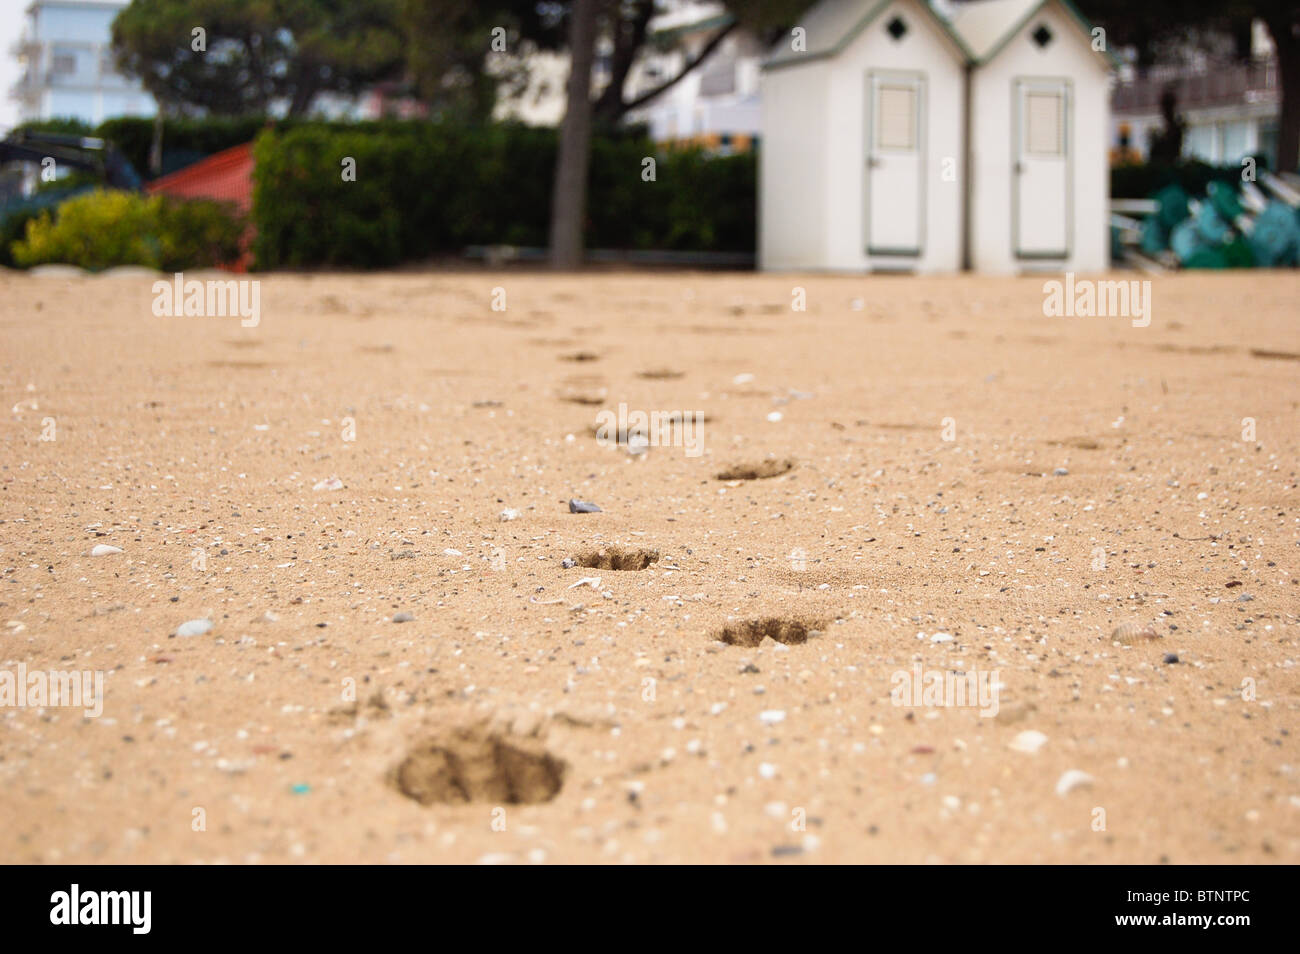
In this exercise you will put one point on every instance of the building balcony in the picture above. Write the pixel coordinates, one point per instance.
(1225, 84)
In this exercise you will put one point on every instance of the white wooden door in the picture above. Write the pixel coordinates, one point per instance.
(1041, 190)
(895, 165)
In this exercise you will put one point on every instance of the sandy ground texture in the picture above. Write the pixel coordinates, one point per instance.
(955, 484)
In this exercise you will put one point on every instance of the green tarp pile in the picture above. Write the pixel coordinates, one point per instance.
(1228, 227)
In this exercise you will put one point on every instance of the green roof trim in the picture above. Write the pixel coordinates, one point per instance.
(944, 27)
(721, 20)
(800, 58)
(1083, 23)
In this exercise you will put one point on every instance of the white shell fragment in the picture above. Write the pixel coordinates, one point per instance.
(1031, 740)
(1071, 780)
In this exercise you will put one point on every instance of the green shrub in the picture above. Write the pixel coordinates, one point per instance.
(103, 229)
(423, 189)
(198, 233)
(12, 228)
(184, 140)
(63, 125)
(96, 231)
(187, 140)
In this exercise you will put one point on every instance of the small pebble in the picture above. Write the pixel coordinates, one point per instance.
(771, 716)
(103, 549)
(330, 483)
(1170, 658)
(510, 513)
(568, 563)
(403, 618)
(582, 506)
(1060, 472)
(194, 627)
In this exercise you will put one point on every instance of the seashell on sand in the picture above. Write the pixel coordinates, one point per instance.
(1127, 634)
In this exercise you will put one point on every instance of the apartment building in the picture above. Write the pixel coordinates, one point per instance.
(67, 64)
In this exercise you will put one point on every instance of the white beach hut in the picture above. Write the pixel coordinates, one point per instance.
(896, 137)
(860, 112)
(1039, 117)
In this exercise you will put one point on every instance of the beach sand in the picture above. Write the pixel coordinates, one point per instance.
(961, 466)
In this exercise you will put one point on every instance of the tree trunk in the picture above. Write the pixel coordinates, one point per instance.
(156, 142)
(629, 37)
(1282, 28)
(569, 193)
(705, 52)
(304, 92)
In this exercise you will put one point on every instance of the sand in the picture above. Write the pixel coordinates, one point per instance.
(1097, 474)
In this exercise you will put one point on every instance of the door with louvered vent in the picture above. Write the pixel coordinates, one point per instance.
(894, 186)
(1041, 197)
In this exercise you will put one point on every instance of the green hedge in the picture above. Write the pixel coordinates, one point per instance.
(185, 141)
(64, 125)
(422, 189)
